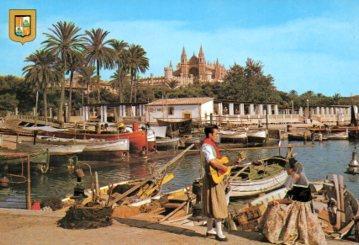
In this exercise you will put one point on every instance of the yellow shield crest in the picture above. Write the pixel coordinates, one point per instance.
(22, 25)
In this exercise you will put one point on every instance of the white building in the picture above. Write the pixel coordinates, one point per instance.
(180, 108)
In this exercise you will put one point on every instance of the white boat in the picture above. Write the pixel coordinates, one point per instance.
(118, 145)
(91, 145)
(159, 131)
(243, 186)
(338, 136)
(167, 142)
(258, 136)
(228, 136)
(252, 188)
(54, 150)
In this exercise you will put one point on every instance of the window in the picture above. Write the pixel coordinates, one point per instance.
(171, 110)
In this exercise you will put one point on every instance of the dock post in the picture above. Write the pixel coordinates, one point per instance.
(28, 192)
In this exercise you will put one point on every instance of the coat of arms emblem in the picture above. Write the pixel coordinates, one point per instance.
(22, 25)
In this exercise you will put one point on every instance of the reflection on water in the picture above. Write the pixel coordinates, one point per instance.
(319, 159)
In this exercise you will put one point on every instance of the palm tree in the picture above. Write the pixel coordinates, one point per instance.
(172, 84)
(74, 64)
(137, 62)
(97, 52)
(120, 59)
(86, 73)
(42, 72)
(63, 41)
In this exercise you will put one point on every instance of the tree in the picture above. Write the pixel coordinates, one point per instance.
(137, 62)
(86, 73)
(42, 72)
(172, 84)
(97, 52)
(120, 59)
(74, 64)
(63, 41)
(248, 84)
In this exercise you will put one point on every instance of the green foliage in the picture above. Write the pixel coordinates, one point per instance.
(15, 92)
(8, 102)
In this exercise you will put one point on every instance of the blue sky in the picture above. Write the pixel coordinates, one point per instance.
(304, 45)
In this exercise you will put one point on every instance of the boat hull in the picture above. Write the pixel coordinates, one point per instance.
(138, 139)
(252, 188)
(257, 137)
(233, 137)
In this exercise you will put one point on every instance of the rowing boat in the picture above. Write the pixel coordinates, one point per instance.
(268, 175)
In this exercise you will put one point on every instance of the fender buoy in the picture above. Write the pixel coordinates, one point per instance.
(36, 205)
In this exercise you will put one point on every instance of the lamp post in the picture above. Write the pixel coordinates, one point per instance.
(308, 108)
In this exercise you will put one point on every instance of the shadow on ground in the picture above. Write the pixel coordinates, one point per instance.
(156, 226)
(254, 236)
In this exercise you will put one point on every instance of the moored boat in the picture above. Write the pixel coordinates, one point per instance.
(337, 135)
(137, 139)
(176, 126)
(159, 131)
(167, 143)
(299, 136)
(54, 150)
(228, 136)
(266, 176)
(258, 136)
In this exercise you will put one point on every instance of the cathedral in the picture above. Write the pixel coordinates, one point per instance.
(189, 70)
(195, 68)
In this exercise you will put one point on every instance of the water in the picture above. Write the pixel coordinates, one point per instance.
(319, 160)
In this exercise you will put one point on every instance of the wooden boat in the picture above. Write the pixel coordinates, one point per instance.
(259, 136)
(91, 145)
(166, 143)
(299, 136)
(54, 150)
(147, 189)
(337, 135)
(318, 137)
(189, 140)
(15, 157)
(151, 139)
(40, 160)
(130, 192)
(121, 145)
(159, 131)
(227, 136)
(137, 139)
(267, 176)
(182, 126)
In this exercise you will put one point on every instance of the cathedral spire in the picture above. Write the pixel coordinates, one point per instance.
(201, 53)
(183, 55)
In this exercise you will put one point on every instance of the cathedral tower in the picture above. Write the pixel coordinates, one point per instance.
(184, 64)
(201, 64)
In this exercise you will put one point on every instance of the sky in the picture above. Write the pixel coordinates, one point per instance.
(304, 45)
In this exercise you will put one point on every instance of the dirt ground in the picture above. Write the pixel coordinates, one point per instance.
(30, 227)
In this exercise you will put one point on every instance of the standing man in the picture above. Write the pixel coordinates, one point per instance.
(214, 198)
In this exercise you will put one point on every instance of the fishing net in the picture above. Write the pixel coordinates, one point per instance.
(53, 202)
(86, 217)
(259, 172)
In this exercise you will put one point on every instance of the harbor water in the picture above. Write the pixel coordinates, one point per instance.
(319, 159)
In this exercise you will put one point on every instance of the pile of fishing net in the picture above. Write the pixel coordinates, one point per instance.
(79, 217)
(262, 171)
(53, 202)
